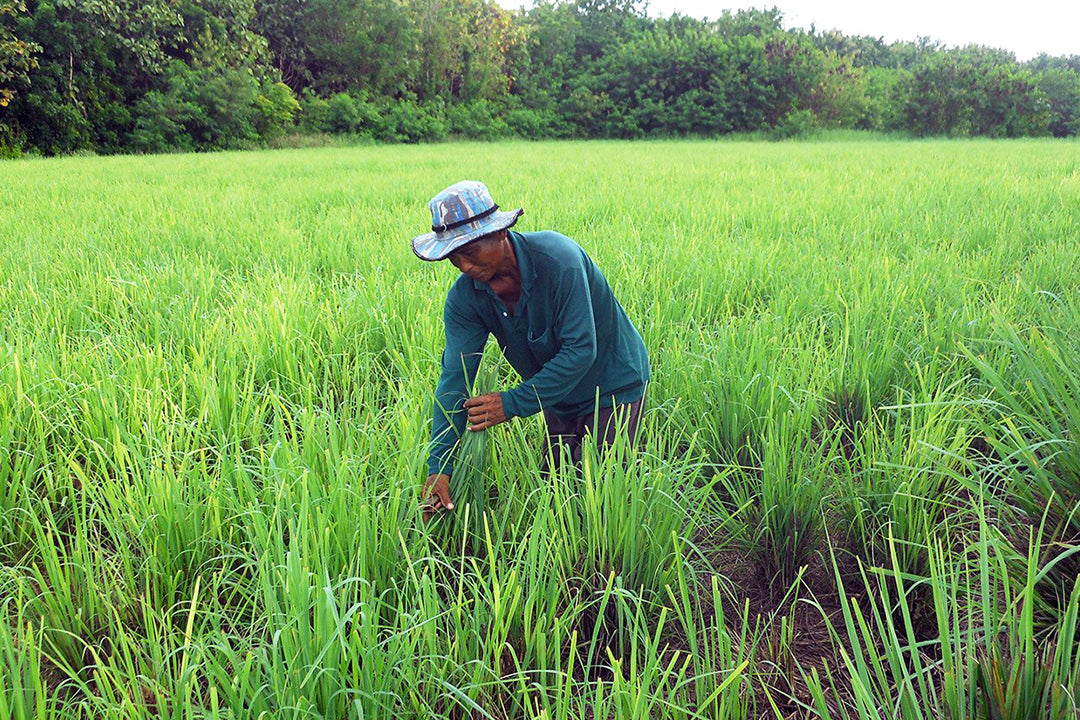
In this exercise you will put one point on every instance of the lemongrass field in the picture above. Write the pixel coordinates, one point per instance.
(856, 495)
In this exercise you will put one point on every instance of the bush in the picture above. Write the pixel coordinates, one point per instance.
(223, 104)
(277, 108)
(159, 124)
(409, 121)
(210, 108)
(796, 123)
(1061, 87)
(840, 99)
(200, 109)
(972, 91)
(51, 123)
(480, 119)
(11, 143)
(533, 122)
(351, 114)
(314, 113)
(588, 111)
(883, 98)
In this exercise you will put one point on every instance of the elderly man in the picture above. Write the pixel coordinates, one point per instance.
(556, 320)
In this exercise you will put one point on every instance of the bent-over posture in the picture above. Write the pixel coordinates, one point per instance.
(556, 320)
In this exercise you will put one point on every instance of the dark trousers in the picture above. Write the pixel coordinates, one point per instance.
(565, 434)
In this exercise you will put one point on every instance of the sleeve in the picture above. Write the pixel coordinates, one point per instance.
(465, 338)
(575, 330)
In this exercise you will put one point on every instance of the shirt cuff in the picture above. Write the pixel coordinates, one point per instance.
(441, 461)
(510, 407)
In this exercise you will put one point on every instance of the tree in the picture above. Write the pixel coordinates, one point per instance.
(864, 50)
(884, 98)
(669, 80)
(1059, 62)
(750, 22)
(973, 91)
(77, 94)
(156, 74)
(546, 60)
(489, 37)
(211, 107)
(605, 24)
(463, 49)
(218, 33)
(16, 55)
(794, 69)
(283, 23)
(840, 97)
(359, 45)
(1061, 87)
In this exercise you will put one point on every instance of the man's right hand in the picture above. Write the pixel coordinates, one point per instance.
(436, 495)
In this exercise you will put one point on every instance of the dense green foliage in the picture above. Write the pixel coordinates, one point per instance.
(216, 380)
(114, 75)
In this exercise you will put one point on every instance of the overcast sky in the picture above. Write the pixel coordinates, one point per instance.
(1027, 28)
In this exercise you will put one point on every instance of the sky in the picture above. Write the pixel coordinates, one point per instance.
(1027, 28)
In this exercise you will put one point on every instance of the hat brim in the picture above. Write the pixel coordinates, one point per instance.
(437, 246)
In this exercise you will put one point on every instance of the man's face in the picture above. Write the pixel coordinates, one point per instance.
(481, 259)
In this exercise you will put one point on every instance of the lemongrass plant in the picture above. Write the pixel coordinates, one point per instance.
(214, 406)
(1033, 432)
(986, 658)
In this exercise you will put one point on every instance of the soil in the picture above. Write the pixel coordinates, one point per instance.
(810, 609)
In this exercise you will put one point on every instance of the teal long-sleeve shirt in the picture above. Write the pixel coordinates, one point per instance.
(568, 338)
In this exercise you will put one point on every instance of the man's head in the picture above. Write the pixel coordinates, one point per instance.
(460, 215)
(484, 258)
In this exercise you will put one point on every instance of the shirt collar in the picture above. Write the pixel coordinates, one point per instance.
(524, 263)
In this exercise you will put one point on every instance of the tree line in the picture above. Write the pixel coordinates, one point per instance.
(156, 75)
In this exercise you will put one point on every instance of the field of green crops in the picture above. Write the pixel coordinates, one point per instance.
(857, 494)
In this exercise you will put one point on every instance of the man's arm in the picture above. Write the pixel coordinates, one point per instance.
(575, 330)
(465, 338)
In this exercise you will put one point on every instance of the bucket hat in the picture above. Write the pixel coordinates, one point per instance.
(460, 214)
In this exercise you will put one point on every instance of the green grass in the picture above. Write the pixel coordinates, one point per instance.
(215, 392)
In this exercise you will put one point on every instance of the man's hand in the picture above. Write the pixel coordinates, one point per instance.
(485, 411)
(436, 495)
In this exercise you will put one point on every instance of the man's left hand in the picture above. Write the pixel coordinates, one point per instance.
(485, 411)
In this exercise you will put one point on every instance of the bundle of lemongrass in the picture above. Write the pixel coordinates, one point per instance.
(463, 528)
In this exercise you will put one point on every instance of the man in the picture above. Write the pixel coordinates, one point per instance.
(556, 320)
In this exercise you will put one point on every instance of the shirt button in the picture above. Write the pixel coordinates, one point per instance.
(504, 313)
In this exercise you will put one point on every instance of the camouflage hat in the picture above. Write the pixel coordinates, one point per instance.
(460, 214)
